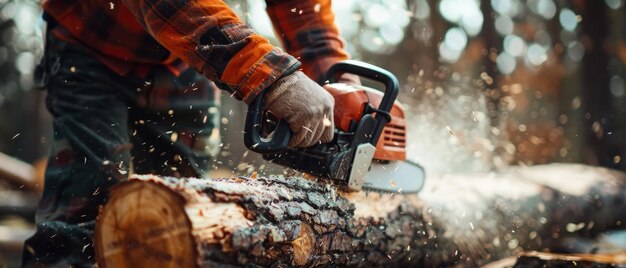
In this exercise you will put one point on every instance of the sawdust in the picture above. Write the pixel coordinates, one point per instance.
(377, 205)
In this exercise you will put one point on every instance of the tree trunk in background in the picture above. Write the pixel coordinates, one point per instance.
(493, 46)
(458, 219)
(600, 128)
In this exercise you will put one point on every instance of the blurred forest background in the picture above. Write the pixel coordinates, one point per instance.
(487, 83)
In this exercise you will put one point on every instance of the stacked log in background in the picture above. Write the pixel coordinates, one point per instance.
(273, 221)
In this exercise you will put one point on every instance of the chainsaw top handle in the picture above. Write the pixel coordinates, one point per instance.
(374, 73)
(279, 140)
(368, 71)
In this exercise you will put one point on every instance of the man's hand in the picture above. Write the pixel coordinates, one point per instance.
(306, 106)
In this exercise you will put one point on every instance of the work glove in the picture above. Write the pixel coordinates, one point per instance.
(306, 106)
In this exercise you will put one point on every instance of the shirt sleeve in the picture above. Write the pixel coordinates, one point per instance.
(308, 31)
(210, 37)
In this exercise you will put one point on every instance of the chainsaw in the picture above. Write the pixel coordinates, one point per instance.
(368, 150)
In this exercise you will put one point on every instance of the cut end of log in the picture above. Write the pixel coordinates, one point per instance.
(145, 225)
(153, 222)
(303, 245)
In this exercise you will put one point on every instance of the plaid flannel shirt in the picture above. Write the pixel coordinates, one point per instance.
(133, 35)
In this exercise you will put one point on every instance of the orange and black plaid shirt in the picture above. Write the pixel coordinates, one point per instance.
(135, 35)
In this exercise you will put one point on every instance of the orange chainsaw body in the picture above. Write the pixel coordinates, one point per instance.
(350, 103)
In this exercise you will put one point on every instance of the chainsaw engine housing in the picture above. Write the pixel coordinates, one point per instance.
(351, 103)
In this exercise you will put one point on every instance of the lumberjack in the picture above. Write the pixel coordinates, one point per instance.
(132, 86)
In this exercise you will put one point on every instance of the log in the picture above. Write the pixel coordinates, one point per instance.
(17, 203)
(534, 259)
(12, 238)
(465, 220)
(540, 259)
(18, 173)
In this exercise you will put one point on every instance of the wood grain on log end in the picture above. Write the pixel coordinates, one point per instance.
(303, 245)
(146, 226)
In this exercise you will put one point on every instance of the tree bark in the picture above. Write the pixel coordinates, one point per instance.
(538, 259)
(466, 220)
(17, 173)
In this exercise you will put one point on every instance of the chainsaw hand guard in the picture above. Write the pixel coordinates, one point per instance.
(276, 142)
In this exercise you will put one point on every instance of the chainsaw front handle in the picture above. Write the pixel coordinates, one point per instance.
(277, 142)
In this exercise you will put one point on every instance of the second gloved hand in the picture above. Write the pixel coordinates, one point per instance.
(306, 106)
